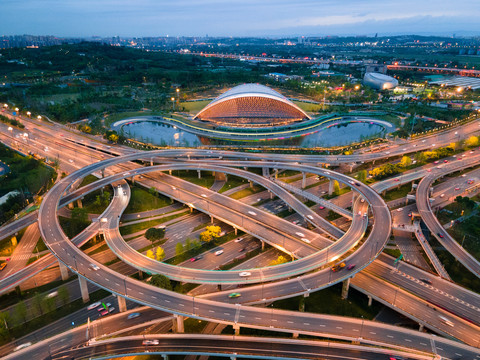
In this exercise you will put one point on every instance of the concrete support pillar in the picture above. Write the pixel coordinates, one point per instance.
(369, 300)
(79, 203)
(271, 194)
(251, 184)
(346, 286)
(295, 335)
(266, 171)
(237, 329)
(151, 161)
(63, 271)
(219, 287)
(420, 328)
(122, 304)
(351, 166)
(236, 230)
(304, 180)
(199, 174)
(191, 209)
(102, 171)
(263, 245)
(84, 289)
(330, 187)
(430, 193)
(70, 205)
(276, 173)
(133, 180)
(354, 197)
(211, 219)
(169, 172)
(165, 356)
(178, 324)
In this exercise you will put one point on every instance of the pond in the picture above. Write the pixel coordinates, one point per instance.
(167, 135)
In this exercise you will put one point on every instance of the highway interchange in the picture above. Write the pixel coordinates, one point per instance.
(257, 317)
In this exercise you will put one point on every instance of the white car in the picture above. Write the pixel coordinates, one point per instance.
(203, 195)
(306, 240)
(310, 217)
(94, 267)
(218, 252)
(52, 295)
(351, 182)
(22, 346)
(300, 234)
(245, 274)
(400, 209)
(239, 239)
(94, 305)
(252, 213)
(443, 195)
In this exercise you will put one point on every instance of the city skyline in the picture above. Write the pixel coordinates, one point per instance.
(247, 18)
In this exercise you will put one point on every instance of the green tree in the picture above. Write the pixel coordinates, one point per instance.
(188, 244)
(113, 138)
(161, 281)
(420, 157)
(14, 241)
(48, 304)
(362, 176)
(79, 215)
(20, 313)
(153, 191)
(155, 234)
(179, 248)
(150, 255)
(160, 255)
(63, 295)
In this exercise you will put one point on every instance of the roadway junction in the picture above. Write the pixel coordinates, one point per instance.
(361, 245)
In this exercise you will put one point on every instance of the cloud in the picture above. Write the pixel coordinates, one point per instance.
(234, 17)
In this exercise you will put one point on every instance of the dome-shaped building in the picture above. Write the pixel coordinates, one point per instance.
(380, 81)
(251, 105)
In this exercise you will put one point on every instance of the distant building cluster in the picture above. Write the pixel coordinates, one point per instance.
(33, 41)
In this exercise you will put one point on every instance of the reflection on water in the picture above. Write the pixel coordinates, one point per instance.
(166, 135)
(344, 134)
(160, 134)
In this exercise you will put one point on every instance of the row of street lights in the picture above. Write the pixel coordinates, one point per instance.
(29, 114)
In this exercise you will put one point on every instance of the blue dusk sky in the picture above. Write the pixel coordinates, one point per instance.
(238, 17)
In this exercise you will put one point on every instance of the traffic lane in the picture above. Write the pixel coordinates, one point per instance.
(402, 300)
(439, 292)
(221, 345)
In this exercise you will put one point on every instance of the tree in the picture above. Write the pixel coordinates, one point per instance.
(80, 215)
(210, 233)
(188, 244)
(113, 138)
(14, 241)
(280, 260)
(20, 313)
(362, 176)
(472, 141)
(336, 187)
(179, 248)
(150, 255)
(154, 234)
(420, 157)
(406, 161)
(153, 191)
(161, 281)
(63, 295)
(160, 255)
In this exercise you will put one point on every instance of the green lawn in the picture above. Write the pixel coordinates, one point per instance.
(233, 182)
(143, 200)
(207, 179)
(247, 192)
(130, 229)
(194, 106)
(399, 193)
(6, 247)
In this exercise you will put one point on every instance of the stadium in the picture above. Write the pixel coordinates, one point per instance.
(251, 105)
(379, 81)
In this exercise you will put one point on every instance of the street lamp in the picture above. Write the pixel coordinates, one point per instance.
(173, 103)
(39, 117)
(29, 113)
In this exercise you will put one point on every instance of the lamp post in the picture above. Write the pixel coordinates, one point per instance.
(173, 103)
